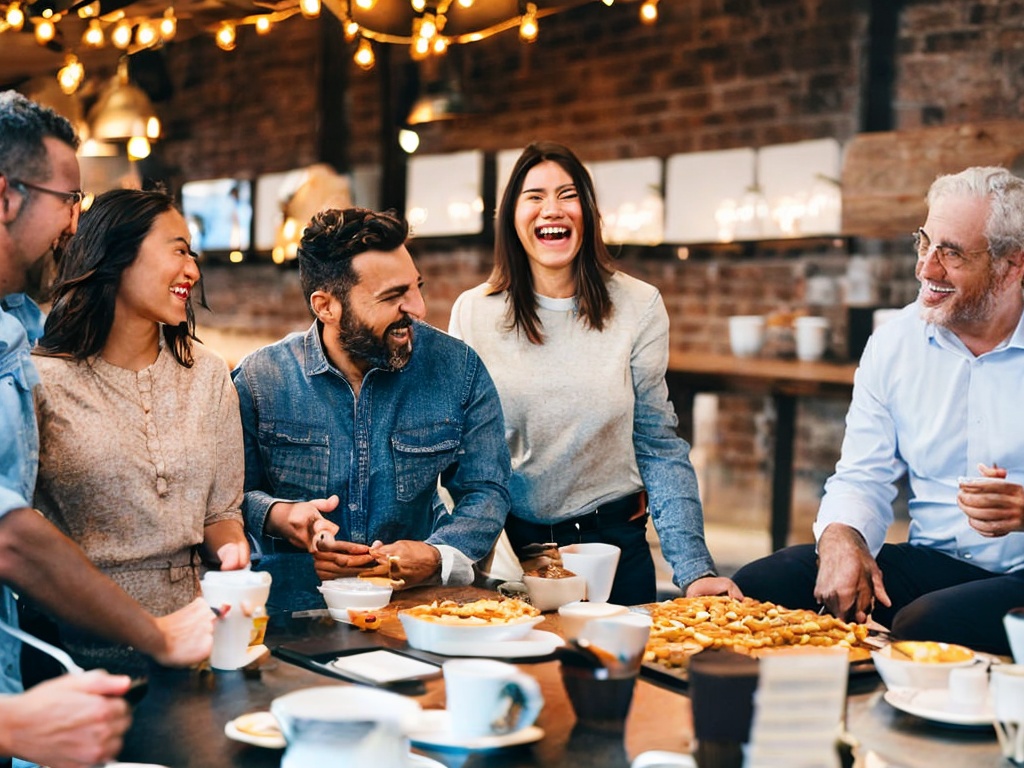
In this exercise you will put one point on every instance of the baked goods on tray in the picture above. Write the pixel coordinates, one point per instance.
(686, 625)
(484, 611)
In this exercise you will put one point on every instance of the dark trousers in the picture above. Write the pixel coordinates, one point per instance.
(934, 596)
(635, 581)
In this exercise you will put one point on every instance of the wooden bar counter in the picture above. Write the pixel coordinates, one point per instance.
(180, 722)
(785, 381)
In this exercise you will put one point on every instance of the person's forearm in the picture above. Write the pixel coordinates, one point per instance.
(216, 535)
(39, 561)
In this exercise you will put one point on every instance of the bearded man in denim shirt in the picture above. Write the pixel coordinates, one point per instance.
(350, 426)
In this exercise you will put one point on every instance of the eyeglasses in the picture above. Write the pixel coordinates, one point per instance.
(948, 256)
(74, 197)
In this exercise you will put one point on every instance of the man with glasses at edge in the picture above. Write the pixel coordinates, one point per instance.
(72, 720)
(936, 397)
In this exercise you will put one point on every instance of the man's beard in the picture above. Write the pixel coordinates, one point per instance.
(40, 276)
(972, 306)
(360, 343)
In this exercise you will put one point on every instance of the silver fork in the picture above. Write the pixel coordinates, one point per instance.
(58, 653)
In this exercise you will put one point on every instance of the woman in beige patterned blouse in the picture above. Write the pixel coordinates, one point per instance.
(140, 456)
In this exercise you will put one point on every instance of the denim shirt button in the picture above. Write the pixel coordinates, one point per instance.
(353, 506)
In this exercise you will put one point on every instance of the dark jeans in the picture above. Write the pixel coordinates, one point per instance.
(635, 581)
(934, 596)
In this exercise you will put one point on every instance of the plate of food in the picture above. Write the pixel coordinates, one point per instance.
(486, 627)
(687, 625)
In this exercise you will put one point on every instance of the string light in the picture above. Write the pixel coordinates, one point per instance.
(649, 11)
(364, 57)
(225, 36)
(45, 31)
(466, 3)
(609, 3)
(93, 35)
(121, 36)
(351, 30)
(263, 25)
(366, 5)
(89, 11)
(528, 26)
(71, 74)
(418, 5)
(310, 9)
(168, 24)
(440, 45)
(146, 34)
(138, 148)
(15, 17)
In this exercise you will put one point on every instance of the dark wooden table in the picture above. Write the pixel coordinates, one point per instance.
(785, 381)
(180, 722)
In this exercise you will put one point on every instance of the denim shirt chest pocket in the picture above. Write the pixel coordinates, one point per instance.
(297, 458)
(421, 455)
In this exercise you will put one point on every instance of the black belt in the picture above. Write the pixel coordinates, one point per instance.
(607, 515)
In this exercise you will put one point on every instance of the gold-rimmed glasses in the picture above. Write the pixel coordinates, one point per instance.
(949, 256)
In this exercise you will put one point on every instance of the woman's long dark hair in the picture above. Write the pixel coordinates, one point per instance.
(108, 239)
(591, 267)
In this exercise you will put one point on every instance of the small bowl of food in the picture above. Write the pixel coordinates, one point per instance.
(353, 593)
(552, 586)
(920, 663)
(446, 623)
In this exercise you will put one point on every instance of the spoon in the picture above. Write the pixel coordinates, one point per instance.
(58, 653)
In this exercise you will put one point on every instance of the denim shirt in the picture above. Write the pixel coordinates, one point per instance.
(21, 324)
(307, 436)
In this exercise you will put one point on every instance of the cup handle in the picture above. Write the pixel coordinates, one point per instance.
(519, 705)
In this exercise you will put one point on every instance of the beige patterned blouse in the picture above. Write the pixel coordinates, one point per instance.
(133, 465)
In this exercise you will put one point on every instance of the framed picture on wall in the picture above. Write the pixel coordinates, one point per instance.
(444, 194)
(219, 215)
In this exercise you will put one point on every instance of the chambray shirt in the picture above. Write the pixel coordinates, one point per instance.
(307, 436)
(924, 405)
(21, 324)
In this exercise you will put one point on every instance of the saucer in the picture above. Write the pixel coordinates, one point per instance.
(933, 704)
(434, 732)
(535, 643)
(267, 740)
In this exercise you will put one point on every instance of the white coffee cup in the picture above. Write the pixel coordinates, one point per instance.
(1007, 686)
(811, 335)
(746, 334)
(1014, 624)
(596, 562)
(238, 635)
(489, 698)
(574, 616)
(968, 688)
(623, 636)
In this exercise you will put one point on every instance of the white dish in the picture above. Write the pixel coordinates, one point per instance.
(933, 704)
(434, 732)
(232, 731)
(421, 632)
(536, 643)
(383, 666)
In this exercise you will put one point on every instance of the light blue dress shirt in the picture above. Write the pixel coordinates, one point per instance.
(21, 324)
(924, 405)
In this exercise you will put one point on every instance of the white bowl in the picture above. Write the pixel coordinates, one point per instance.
(425, 633)
(898, 671)
(353, 592)
(551, 594)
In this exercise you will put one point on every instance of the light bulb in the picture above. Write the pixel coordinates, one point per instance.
(70, 75)
(45, 31)
(146, 34)
(121, 36)
(168, 24)
(15, 16)
(309, 8)
(90, 10)
(366, 5)
(138, 148)
(364, 57)
(408, 140)
(649, 11)
(153, 128)
(609, 3)
(225, 36)
(428, 27)
(351, 30)
(528, 25)
(440, 45)
(93, 35)
(263, 25)
(466, 3)
(418, 5)
(420, 49)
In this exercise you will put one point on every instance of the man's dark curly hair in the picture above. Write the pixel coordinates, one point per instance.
(334, 237)
(23, 126)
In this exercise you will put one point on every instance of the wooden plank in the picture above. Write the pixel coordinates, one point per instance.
(886, 175)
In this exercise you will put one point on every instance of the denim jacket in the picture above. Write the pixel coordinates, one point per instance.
(307, 436)
(21, 324)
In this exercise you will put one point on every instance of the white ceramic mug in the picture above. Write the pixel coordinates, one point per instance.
(811, 335)
(238, 635)
(1008, 704)
(746, 334)
(574, 616)
(1014, 624)
(623, 636)
(596, 562)
(489, 698)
